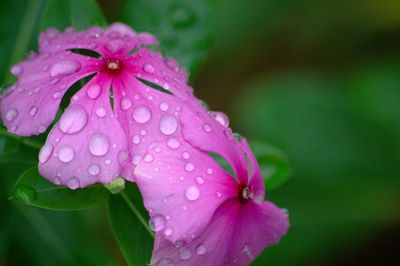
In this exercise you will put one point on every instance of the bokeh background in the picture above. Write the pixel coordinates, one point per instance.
(318, 79)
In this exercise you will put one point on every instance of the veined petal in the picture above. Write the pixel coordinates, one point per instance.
(31, 104)
(87, 145)
(236, 235)
(181, 187)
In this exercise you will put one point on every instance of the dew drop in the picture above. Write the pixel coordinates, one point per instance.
(57, 180)
(207, 128)
(94, 91)
(73, 183)
(165, 262)
(11, 114)
(73, 120)
(45, 152)
(101, 111)
(184, 253)
(98, 144)
(173, 143)
(168, 231)
(201, 249)
(220, 118)
(136, 139)
(141, 114)
(56, 95)
(148, 158)
(218, 194)
(192, 193)
(122, 156)
(16, 70)
(33, 111)
(66, 154)
(93, 169)
(126, 104)
(189, 167)
(148, 68)
(199, 180)
(172, 64)
(168, 125)
(64, 67)
(164, 107)
(157, 222)
(186, 155)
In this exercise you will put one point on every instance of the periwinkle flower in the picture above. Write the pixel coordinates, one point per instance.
(131, 100)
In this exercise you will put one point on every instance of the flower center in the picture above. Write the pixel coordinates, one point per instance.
(246, 194)
(113, 66)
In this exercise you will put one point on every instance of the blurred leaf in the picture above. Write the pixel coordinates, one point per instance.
(273, 163)
(183, 28)
(79, 14)
(129, 222)
(32, 189)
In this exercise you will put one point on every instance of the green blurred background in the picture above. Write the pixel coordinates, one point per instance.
(318, 79)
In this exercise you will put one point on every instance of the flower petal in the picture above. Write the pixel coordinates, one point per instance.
(181, 188)
(236, 235)
(32, 103)
(202, 130)
(88, 144)
(118, 38)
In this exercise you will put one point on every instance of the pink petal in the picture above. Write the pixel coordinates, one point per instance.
(146, 115)
(203, 131)
(236, 235)
(181, 188)
(88, 144)
(32, 103)
(118, 38)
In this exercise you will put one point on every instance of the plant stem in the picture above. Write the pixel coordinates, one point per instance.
(136, 212)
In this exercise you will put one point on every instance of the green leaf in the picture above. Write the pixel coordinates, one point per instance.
(79, 14)
(129, 222)
(183, 28)
(32, 189)
(273, 163)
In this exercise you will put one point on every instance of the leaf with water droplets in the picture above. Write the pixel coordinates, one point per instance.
(79, 14)
(184, 28)
(35, 190)
(273, 163)
(129, 222)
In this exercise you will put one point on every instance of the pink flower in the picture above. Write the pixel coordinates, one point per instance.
(112, 119)
(203, 215)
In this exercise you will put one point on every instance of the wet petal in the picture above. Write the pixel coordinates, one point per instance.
(31, 104)
(236, 235)
(87, 145)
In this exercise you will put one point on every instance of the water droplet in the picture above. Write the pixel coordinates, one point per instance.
(148, 68)
(173, 143)
(148, 158)
(108, 161)
(185, 253)
(189, 167)
(246, 249)
(33, 110)
(199, 180)
(66, 154)
(157, 222)
(164, 107)
(186, 155)
(165, 262)
(24, 193)
(11, 114)
(64, 67)
(218, 194)
(221, 118)
(210, 171)
(98, 144)
(101, 111)
(16, 70)
(172, 64)
(123, 156)
(73, 120)
(141, 114)
(94, 169)
(207, 128)
(45, 152)
(73, 183)
(42, 128)
(57, 180)
(56, 95)
(192, 193)
(201, 249)
(94, 91)
(168, 231)
(168, 125)
(126, 104)
(136, 139)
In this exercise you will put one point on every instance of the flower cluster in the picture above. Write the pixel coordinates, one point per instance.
(137, 118)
